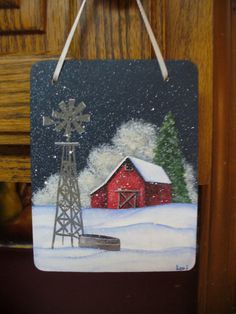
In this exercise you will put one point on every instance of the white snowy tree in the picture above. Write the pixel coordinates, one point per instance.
(47, 195)
(190, 180)
(103, 159)
(136, 138)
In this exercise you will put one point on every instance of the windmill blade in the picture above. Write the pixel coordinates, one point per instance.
(68, 130)
(71, 104)
(84, 118)
(57, 115)
(60, 126)
(47, 121)
(62, 106)
(78, 127)
(80, 108)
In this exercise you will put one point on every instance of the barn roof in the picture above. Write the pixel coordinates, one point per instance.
(149, 172)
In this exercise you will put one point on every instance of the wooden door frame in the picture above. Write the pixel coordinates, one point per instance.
(217, 276)
(135, 194)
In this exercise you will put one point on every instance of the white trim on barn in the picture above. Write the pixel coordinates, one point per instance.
(149, 172)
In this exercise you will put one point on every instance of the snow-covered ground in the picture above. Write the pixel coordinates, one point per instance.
(155, 238)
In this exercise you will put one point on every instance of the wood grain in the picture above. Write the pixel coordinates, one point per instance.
(14, 163)
(29, 17)
(189, 36)
(50, 37)
(231, 257)
(9, 4)
(12, 138)
(14, 97)
(15, 168)
(217, 262)
(114, 29)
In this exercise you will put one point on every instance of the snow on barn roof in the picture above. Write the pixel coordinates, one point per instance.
(150, 172)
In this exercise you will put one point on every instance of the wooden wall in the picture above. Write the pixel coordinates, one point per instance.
(217, 290)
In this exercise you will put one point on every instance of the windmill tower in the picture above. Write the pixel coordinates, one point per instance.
(68, 218)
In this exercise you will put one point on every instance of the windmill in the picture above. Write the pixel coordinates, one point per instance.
(68, 218)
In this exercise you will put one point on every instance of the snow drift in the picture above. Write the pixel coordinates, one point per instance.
(156, 238)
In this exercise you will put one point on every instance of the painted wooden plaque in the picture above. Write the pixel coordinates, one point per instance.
(114, 166)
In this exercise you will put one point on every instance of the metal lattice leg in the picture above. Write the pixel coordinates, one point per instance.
(68, 218)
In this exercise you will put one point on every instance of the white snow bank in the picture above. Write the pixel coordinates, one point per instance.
(124, 261)
(149, 236)
(174, 215)
(157, 238)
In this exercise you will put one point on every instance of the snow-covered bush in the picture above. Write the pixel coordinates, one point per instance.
(48, 195)
(136, 138)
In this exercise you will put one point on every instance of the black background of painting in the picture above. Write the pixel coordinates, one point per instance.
(114, 92)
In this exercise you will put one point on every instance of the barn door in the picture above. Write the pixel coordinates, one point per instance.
(128, 199)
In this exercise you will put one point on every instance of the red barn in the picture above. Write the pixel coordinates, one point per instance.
(133, 183)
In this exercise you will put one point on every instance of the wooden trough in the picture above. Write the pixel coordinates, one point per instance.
(102, 242)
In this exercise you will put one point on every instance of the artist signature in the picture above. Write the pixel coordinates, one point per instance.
(181, 268)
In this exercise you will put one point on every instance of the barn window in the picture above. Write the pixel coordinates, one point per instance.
(129, 167)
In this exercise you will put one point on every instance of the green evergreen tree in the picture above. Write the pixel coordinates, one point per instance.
(168, 155)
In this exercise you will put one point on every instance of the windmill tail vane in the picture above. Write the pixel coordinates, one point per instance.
(68, 218)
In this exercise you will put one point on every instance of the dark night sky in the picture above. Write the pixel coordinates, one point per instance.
(114, 92)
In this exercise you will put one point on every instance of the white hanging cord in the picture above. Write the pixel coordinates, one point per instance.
(153, 40)
(152, 37)
(67, 44)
